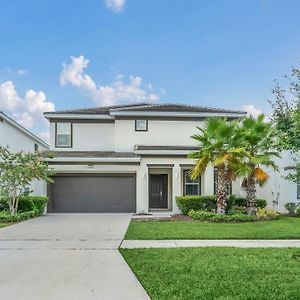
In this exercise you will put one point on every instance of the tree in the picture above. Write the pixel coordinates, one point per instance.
(258, 140)
(286, 116)
(17, 171)
(219, 144)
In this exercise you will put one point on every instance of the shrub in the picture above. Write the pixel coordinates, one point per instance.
(25, 204)
(204, 203)
(237, 210)
(208, 203)
(39, 203)
(267, 213)
(298, 211)
(7, 217)
(291, 207)
(261, 203)
(214, 217)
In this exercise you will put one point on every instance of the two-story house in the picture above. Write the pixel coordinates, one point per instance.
(17, 138)
(127, 158)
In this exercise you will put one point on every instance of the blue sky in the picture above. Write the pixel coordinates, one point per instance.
(213, 53)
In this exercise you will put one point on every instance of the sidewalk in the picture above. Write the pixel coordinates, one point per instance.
(132, 244)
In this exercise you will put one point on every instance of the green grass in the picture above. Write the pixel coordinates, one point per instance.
(217, 273)
(283, 228)
(2, 225)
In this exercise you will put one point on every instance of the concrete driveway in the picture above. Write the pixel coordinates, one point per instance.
(67, 256)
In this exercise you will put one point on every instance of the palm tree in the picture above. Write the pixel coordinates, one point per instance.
(219, 145)
(258, 139)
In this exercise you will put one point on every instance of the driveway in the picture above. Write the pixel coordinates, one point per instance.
(67, 256)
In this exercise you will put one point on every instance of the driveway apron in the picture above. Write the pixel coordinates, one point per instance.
(67, 256)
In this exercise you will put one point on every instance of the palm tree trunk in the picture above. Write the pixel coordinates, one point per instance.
(222, 192)
(251, 196)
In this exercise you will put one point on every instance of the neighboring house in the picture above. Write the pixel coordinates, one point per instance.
(129, 158)
(17, 138)
(278, 191)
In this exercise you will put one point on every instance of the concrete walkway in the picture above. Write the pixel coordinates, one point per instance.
(67, 256)
(132, 244)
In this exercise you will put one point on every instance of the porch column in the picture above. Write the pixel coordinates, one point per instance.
(177, 190)
(208, 181)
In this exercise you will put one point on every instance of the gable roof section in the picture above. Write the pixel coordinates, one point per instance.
(146, 109)
(13, 123)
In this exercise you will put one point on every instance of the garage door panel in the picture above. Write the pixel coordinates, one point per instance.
(105, 193)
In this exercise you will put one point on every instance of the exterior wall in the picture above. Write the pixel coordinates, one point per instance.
(160, 132)
(278, 191)
(88, 137)
(17, 141)
(122, 137)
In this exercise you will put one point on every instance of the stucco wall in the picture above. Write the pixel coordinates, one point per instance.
(17, 141)
(171, 133)
(88, 137)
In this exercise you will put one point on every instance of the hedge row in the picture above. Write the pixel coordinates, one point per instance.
(29, 207)
(218, 218)
(208, 203)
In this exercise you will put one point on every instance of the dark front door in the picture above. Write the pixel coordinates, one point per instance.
(158, 191)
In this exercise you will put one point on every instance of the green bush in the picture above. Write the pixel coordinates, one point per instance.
(25, 204)
(214, 217)
(291, 207)
(261, 203)
(39, 203)
(186, 203)
(265, 213)
(5, 216)
(208, 203)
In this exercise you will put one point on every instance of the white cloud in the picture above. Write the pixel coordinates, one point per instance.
(21, 72)
(115, 5)
(28, 111)
(45, 135)
(119, 90)
(252, 110)
(11, 72)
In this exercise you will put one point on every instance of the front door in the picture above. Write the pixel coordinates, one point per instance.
(158, 191)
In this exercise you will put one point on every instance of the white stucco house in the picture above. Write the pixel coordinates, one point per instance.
(17, 138)
(128, 158)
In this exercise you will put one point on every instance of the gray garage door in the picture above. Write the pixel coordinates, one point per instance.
(92, 193)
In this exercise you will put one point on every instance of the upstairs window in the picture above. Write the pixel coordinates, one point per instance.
(191, 187)
(36, 148)
(298, 188)
(63, 137)
(141, 125)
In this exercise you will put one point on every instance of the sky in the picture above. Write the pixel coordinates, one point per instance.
(57, 55)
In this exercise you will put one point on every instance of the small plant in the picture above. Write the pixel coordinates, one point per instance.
(298, 211)
(267, 213)
(220, 218)
(291, 207)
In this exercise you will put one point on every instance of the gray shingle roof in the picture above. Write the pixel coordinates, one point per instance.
(155, 107)
(143, 147)
(89, 154)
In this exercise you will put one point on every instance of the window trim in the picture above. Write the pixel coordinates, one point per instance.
(141, 129)
(58, 146)
(184, 183)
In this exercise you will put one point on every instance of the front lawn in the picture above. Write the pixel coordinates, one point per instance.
(283, 228)
(217, 273)
(2, 225)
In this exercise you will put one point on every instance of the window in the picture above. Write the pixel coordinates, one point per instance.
(36, 148)
(64, 135)
(141, 125)
(191, 187)
(298, 189)
(229, 186)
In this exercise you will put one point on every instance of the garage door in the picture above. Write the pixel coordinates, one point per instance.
(92, 193)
